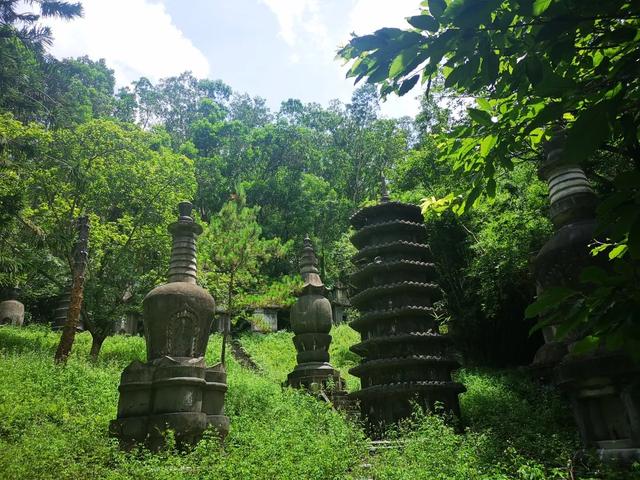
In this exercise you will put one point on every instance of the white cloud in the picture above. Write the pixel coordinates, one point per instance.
(395, 106)
(136, 38)
(300, 22)
(368, 16)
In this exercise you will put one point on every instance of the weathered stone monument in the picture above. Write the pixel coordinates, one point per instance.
(174, 389)
(11, 309)
(311, 323)
(603, 386)
(128, 324)
(405, 358)
(62, 309)
(265, 319)
(339, 302)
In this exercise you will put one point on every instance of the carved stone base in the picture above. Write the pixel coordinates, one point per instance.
(604, 391)
(177, 394)
(384, 404)
(319, 373)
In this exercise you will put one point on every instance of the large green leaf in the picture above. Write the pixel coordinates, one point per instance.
(549, 299)
(424, 22)
(487, 144)
(585, 345)
(533, 67)
(408, 84)
(405, 59)
(367, 43)
(437, 7)
(480, 116)
(588, 132)
(462, 74)
(539, 6)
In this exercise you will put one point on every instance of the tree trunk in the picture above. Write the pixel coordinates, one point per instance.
(227, 325)
(77, 290)
(96, 345)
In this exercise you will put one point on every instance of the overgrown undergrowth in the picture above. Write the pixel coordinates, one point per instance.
(53, 423)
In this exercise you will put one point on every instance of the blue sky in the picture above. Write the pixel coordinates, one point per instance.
(276, 49)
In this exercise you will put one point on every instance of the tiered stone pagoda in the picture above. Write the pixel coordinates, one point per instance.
(62, 309)
(311, 323)
(603, 386)
(174, 389)
(405, 358)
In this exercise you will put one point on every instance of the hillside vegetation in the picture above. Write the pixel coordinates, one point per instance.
(53, 423)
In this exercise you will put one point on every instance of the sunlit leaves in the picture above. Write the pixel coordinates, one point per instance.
(539, 6)
(487, 144)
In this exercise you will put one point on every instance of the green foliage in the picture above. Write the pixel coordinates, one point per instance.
(279, 293)
(483, 256)
(609, 310)
(83, 90)
(532, 66)
(273, 353)
(129, 187)
(54, 421)
(514, 430)
(233, 252)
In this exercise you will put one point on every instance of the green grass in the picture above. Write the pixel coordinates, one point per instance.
(53, 423)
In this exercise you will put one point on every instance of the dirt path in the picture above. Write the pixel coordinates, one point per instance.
(242, 356)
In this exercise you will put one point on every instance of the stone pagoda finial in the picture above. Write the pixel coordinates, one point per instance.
(183, 267)
(571, 197)
(308, 266)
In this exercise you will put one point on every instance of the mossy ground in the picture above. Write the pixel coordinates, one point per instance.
(53, 423)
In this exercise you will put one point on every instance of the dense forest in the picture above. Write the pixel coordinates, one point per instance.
(72, 145)
(495, 82)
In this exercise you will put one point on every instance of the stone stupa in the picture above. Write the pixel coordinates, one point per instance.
(603, 386)
(311, 322)
(174, 390)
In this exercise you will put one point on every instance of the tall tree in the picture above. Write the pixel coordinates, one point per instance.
(80, 260)
(128, 183)
(24, 24)
(232, 252)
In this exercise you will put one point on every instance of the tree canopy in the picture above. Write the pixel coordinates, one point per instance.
(524, 68)
(495, 78)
